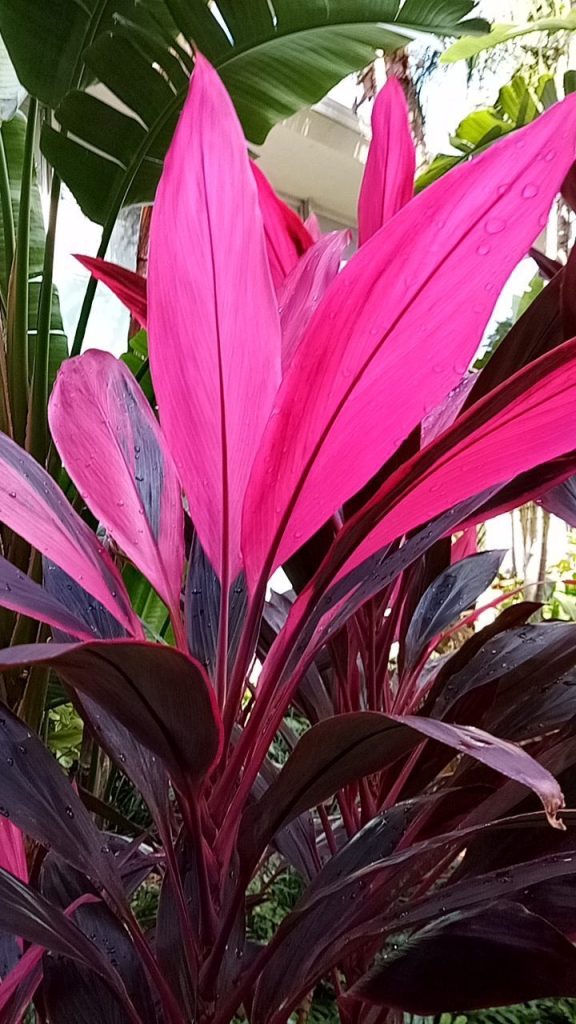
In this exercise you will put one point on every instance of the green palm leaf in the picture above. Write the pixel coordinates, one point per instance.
(275, 56)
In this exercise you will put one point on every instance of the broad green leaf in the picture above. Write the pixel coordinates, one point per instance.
(272, 60)
(470, 46)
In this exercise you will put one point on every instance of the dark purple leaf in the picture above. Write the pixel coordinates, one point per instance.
(451, 593)
(506, 758)
(30, 915)
(136, 761)
(530, 655)
(493, 957)
(328, 757)
(156, 692)
(70, 990)
(21, 594)
(561, 501)
(98, 621)
(36, 795)
(202, 609)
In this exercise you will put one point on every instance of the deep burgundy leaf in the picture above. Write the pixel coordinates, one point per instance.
(96, 620)
(540, 329)
(20, 593)
(156, 692)
(504, 757)
(451, 593)
(138, 763)
(547, 266)
(202, 609)
(528, 655)
(466, 962)
(371, 902)
(129, 287)
(328, 757)
(561, 501)
(36, 919)
(287, 238)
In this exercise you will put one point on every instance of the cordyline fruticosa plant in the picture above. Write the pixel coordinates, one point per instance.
(323, 421)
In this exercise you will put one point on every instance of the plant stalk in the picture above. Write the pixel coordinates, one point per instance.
(6, 206)
(18, 320)
(38, 440)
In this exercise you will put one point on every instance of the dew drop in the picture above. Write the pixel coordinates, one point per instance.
(549, 155)
(12, 494)
(483, 249)
(529, 191)
(494, 225)
(69, 811)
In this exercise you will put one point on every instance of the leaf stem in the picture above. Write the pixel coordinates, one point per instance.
(7, 211)
(37, 414)
(17, 336)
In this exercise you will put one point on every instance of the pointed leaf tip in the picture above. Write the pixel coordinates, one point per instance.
(388, 182)
(117, 458)
(214, 333)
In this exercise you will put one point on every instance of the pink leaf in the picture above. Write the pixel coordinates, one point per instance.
(388, 182)
(214, 327)
(312, 225)
(12, 850)
(34, 507)
(117, 458)
(287, 238)
(304, 287)
(127, 286)
(524, 422)
(395, 332)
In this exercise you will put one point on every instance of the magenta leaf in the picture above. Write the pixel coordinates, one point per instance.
(118, 460)
(388, 182)
(519, 425)
(287, 238)
(12, 851)
(127, 286)
(492, 957)
(160, 694)
(301, 292)
(34, 507)
(214, 335)
(395, 332)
